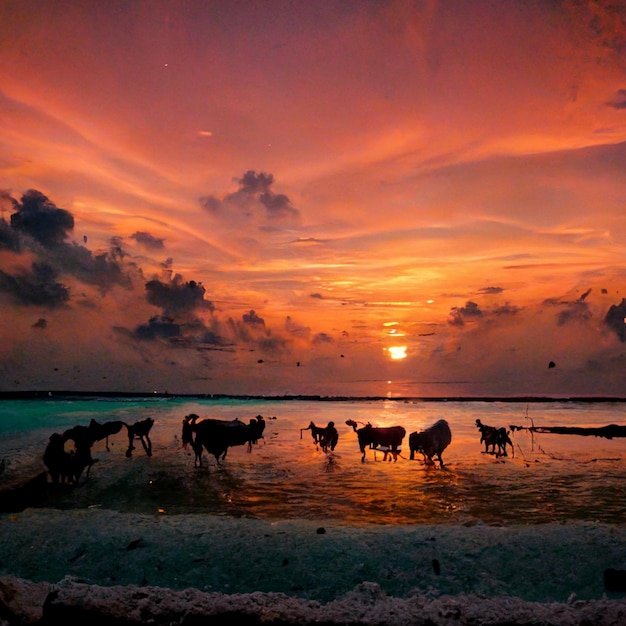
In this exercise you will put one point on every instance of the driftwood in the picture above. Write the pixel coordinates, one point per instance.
(608, 432)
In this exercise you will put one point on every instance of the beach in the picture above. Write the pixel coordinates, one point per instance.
(156, 569)
(285, 534)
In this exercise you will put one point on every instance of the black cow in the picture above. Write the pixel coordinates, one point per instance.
(216, 436)
(64, 466)
(431, 442)
(389, 437)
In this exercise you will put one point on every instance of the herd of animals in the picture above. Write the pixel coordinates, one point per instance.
(430, 442)
(68, 454)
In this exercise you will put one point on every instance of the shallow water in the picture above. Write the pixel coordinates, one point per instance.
(551, 478)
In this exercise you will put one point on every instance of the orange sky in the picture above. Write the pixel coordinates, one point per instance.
(342, 178)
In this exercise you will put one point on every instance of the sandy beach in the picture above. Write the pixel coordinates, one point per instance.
(160, 569)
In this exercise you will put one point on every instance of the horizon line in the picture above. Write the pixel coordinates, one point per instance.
(58, 394)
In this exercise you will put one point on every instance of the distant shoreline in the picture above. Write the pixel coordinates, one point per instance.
(64, 394)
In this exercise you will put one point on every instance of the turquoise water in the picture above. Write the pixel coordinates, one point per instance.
(551, 478)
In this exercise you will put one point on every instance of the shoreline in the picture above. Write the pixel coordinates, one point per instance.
(69, 394)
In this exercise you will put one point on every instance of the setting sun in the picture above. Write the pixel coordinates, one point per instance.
(397, 352)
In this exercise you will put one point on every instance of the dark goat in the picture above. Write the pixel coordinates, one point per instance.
(389, 437)
(324, 437)
(495, 438)
(140, 430)
(431, 442)
(216, 436)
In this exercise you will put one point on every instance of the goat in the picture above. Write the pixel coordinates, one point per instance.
(216, 436)
(388, 436)
(431, 442)
(324, 437)
(494, 437)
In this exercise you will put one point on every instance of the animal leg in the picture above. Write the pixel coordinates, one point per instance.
(147, 444)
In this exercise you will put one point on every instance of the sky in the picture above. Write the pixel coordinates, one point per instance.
(422, 198)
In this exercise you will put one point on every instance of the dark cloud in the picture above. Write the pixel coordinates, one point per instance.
(456, 318)
(40, 226)
(35, 287)
(9, 238)
(254, 191)
(316, 295)
(158, 328)
(104, 269)
(272, 344)
(253, 319)
(254, 183)
(277, 205)
(619, 102)
(491, 290)
(574, 311)
(458, 314)
(176, 297)
(471, 309)
(615, 319)
(211, 203)
(322, 338)
(40, 218)
(506, 309)
(148, 240)
(42, 322)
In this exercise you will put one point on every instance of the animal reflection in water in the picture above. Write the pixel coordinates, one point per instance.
(216, 436)
(67, 462)
(386, 438)
(431, 442)
(324, 437)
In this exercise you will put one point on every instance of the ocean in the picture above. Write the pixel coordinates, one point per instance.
(541, 525)
(546, 478)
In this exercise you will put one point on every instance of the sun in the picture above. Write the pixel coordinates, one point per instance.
(397, 352)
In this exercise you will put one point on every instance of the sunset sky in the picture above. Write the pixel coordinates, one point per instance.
(313, 197)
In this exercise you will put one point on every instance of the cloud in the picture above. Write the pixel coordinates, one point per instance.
(149, 241)
(253, 195)
(39, 226)
(40, 218)
(615, 319)
(9, 238)
(177, 298)
(158, 328)
(253, 319)
(619, 101)
(35, 287)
